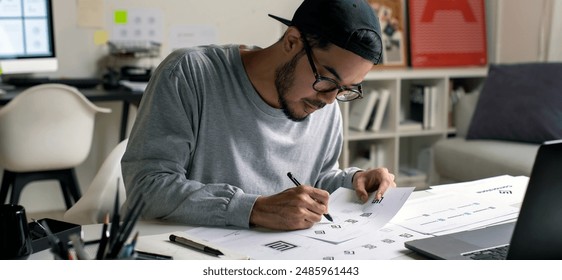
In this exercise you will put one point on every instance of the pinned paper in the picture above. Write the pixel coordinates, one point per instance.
(89, 13)
(100, 37)
(182, 36)
(137, 25)
(120, 17)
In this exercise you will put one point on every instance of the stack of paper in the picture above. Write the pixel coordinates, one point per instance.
(350, 236)
(464, 206)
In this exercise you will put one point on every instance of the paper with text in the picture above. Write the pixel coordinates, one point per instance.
(451, 212)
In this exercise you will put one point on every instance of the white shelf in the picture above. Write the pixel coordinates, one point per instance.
(410, 148)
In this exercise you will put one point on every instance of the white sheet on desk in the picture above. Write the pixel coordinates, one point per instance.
(451, 211)
(353, 218)
(505, 189)
(386, 243)
(482, 224)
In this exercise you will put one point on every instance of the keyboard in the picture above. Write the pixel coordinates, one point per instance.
(33, 81)
(494, 253)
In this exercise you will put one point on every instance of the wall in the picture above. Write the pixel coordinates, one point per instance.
(555, 44)
(528, 31)
(242, 21)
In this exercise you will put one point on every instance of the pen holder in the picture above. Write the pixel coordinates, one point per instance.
(112, 244)
(61, 229)
(15, 243)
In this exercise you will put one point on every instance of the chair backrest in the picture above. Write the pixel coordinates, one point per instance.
(46, 127)
(99, 198)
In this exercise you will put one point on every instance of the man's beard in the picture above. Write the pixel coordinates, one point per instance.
(284, 79)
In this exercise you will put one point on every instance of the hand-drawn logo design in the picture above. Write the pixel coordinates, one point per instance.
(281, 245)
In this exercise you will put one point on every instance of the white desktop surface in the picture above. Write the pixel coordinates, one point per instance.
(93, 232)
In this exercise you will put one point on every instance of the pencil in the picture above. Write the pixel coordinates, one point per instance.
(128, 250)
(326, 215)
(116, 219)
(104, 239)
(127, 227)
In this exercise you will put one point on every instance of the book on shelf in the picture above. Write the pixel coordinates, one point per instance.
(378, 154)
(409, 175)
(380, 109)
(361, 111)
(432, 107)
(423, 102)
(426, 107)
(417, 101)
(372, 158)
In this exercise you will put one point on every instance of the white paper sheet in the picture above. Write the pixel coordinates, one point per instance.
(502, 189)
(385, 243)
(451, 211)
(353, 218)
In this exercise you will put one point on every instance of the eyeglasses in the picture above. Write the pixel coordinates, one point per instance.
(325, 85)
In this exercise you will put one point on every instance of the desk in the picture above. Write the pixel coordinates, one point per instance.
(480, 193)
(97, 95)
(93, 231)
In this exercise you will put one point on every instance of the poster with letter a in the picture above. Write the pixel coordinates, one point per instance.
(447, 33)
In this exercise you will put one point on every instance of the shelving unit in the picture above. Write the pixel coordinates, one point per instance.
(401, 149)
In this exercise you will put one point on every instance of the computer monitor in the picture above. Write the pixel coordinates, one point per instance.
(27, 43)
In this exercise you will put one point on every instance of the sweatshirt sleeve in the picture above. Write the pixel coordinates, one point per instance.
(157, 159)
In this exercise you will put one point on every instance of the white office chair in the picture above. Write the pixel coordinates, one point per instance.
(99, 198)
(45, 131)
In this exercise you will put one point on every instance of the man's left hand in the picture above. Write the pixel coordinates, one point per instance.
(368, 181)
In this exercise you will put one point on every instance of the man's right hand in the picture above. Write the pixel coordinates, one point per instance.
(295, 208)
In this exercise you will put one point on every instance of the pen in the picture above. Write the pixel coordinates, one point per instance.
(327, 216)
(195, 245)
(142, 255)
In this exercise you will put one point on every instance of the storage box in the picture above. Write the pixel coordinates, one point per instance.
(62, 230)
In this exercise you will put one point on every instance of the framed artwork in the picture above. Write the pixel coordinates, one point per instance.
(447, 33)
(392, 16)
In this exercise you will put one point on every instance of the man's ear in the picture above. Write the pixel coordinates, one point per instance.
(292, 42)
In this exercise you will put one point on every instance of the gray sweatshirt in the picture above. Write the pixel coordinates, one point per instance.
(205, 145)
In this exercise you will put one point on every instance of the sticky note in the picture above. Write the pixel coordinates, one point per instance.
(120, 17)
(100, 37)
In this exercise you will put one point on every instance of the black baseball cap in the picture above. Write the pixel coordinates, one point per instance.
(340, 21)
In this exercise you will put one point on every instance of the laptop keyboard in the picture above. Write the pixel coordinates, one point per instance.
(495, 253)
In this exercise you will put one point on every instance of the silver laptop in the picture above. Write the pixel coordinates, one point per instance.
(537, 233)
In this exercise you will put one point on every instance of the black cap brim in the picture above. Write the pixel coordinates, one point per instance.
(284, 21)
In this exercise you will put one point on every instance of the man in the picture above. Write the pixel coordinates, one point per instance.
(219, 127)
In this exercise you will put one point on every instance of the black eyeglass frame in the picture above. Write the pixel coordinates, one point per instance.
(356, 93)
